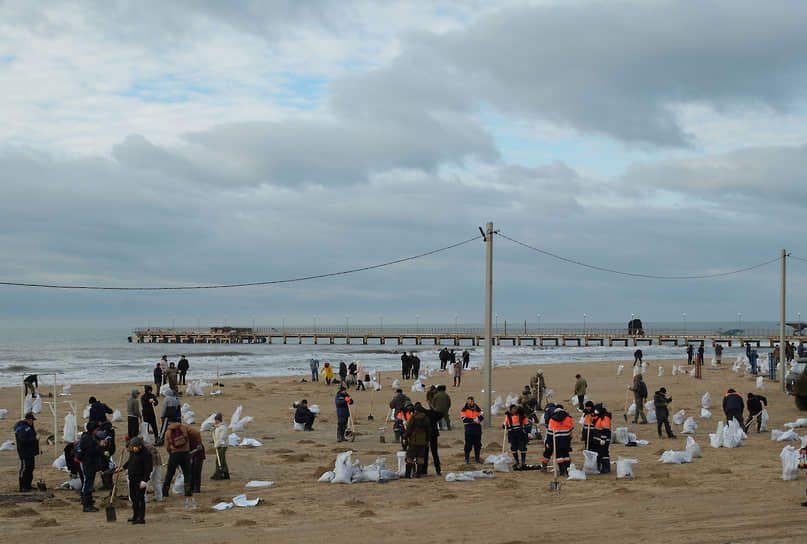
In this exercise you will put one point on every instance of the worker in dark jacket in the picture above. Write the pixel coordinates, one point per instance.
(516, 422)
(304, 415)
(431, 449)
(733, 406)
(98, 410)
(343, 402)
(139, 466)
(147, 403)
(27, 449)
(417, 435)
(90, 451)
(755, 408)
(472, 418)
(660, 402)
(601, 438)
(158, 376)
(558, 433)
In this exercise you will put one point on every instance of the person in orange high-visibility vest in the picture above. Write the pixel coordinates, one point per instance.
(601, 438)
(402, 418)
(588, 422)
(516, 423)
(472, 419)
(560, 427)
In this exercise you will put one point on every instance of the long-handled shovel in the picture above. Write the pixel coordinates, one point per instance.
(504, 441)
(351, 434)
(627, 407)
(372, 396)
(110, 509)
(554, 485)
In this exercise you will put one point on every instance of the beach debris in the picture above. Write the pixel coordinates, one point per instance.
(800, 422)
(671, 457)
(705, 413)
(59, 463)
(790, 463)
(590, 462)
(347, 470)
(660, 371)
(237, 422)
(689, 426)
(117, 416)
(187, 415)
(8, 445)
(706, 400)
(693, 449)
(468, 476)
(259, 483)
(763, 420)
(66, 390)
(69, 429)
(784, 436)
(70, 485)
(223, 506)
(243, 502)
(760, 383)
(624, 467)
(620, 370)
(678, 417)
(209, 423)
(576, 474)
(501, 462)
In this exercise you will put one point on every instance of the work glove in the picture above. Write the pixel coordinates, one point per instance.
(143, 485)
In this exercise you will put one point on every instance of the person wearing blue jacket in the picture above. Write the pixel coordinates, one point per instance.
(343, 402)
(27, 449)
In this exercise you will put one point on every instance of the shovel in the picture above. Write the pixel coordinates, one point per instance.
(554, 485)
(627, 407)
(110, 509)
(370, 415)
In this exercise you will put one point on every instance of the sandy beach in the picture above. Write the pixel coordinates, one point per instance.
(729, 495)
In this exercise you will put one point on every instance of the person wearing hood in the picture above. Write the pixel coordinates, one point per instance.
(139, 466)
(147, 403)
(343, 373)
(27, 450)
(472, 418)
(660, 402)
(601, 438)
(538, 385)
(342, 402)
(133, 413)
(639, 389)
(755, 408)
(516, 422)
(733, 406)
(327, 372)
(158, 376)
(558, 435)
(98, 410)
(90, 452)
(417, 435)
(172, 375)
(442, 403)
(171, 410)
(305, 416)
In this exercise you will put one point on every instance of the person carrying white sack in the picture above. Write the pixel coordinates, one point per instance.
(220, 435)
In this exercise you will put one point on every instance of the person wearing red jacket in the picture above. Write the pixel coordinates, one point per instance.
(560, 429)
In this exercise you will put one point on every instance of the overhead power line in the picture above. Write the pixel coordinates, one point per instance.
(249, 284)
(636, 274)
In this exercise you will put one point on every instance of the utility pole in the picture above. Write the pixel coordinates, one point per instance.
(782, 357)
(487, 367)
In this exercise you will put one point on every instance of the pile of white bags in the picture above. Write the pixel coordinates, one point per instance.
(195, 389)
(346, 471)
(671, 457)
(801, 422)
(728, 436)
(498, 406)
(237, 422)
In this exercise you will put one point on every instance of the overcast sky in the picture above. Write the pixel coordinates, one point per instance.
(205, 142)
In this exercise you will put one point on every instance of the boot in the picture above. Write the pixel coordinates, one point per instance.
(225, 476)
(165, 490)
(523, 458)
(87, 502)
(216, 475)
(544, 467)
(106, 480)
(516, 466)
(477, 459)
(419, 468)
(408, 470)
(467, 459)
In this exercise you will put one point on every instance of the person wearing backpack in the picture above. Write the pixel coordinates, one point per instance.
(639, 389)
(178, 445)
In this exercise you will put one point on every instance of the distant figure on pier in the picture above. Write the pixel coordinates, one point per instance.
(637, 357)
(466, 359)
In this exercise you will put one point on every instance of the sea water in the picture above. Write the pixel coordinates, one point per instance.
(105, 355)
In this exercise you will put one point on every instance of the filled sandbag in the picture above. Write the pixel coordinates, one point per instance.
(733, 435)
(671, 457)
(179, 484)
(208, 424)
(705, 413)
(790, 463)
(632, 409)
(763, 420)
(678, 417)
(501, 463)
(675, 370)
(69, 429)
(692, 447)
(575, 473)
(36, 406)
(689, 426)
(624, 467)
(760, 383)
(8, 445)
(621, 435)
(3, 413)
(787, 435)
(651, 415)
(28, 404)
(59, 463)
(145, 435)
(344, 468)
(620, 370)
(660, 371)
(117, 416)
(590, 462)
